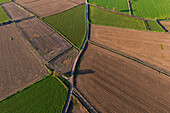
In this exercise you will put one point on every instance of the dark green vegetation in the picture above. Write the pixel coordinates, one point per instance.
(154, 26)
(3, 16)
(45, 96)
(4, 1)
(151, 8)
(113, 19)
(120, 5)
(71, 23)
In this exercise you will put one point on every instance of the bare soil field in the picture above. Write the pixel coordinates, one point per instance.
(63, 63)
(19, 64)
(116, 84)
(14, 12)
(166, 24)
(44, 8)
(47, 42)
(151, 47)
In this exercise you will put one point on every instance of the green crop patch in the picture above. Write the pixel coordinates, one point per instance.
(151, 8)
(4, 1)
(120, 5)
(3, 16)
(103, 17)
(45, 96)
(154, 26)
(71, 24)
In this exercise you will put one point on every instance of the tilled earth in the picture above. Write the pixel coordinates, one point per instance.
(113, 83)
(20, 66)
(143, 45)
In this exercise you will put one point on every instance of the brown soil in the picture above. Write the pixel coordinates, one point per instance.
(47, 42)
(20, 65)
(140, 44)
(14, 12)
(166, 24)
(117, 84)
(63, 63)
(45, 8)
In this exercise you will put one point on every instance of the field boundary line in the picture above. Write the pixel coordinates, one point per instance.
(90, 108)
(146, 25)
(154, 67)
(140, 18)
(129, 6)
(160, 25)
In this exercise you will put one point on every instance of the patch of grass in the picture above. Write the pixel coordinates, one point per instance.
(104, 17)
(45, 96)
(154, 26)
(161, 47)
(71, 23)
(3, 16)
(4, 1)
(151, 8)
(120, 5)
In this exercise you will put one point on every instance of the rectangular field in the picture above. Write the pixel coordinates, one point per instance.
(47, 42)
(20, 66)
(3, 16)
(151, 8)
(103, 17)
(64, 62)
(112, 83)
(120, 5)
(4, 1)
(141, 44)
(71, 23)
(44, 8)
(45, 96)
(14, 12)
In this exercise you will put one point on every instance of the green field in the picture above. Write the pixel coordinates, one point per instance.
(4, 1)
(120, 5)
(103, 17)
(45, 96)
(71, 23)
(151, 8)
(3, 16)
(154, 26)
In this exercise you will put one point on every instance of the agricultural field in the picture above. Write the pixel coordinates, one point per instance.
(113, 19)
(20, 66)
(71, 24)
(46, 41)
(4, 1)
(166, 24)
(63, 63)
(44, 8)
(151, 8)
(120, 5)
(152, 47)
(3, 16)
(154, 26)
(117, 84)
(45, 96)
(14, 12)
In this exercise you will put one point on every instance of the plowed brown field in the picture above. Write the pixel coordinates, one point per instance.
(140, 44)
(45, 8)
(14, 12)
(47, 42)
(19, 65)
(166, 24)
(117, 84)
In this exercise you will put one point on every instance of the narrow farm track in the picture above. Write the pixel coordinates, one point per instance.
(20, 66)
(121, 85)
